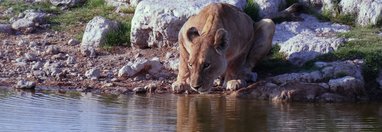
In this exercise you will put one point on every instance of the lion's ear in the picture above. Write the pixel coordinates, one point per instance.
(221, 40)
(192, 33)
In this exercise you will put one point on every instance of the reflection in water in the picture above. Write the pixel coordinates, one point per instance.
(26, 111)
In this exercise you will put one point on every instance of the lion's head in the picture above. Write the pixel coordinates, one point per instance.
(207, 56)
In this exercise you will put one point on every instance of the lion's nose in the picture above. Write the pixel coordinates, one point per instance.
(196, 86)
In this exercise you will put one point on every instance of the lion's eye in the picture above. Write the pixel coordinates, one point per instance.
(189, 64)
(206, 65)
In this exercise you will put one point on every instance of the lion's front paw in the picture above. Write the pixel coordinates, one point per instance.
(235, 84)
(178, 87)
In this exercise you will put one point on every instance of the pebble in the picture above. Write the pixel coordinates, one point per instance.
(37, 66)
(30, 57)
(71, 60)
(73, 42)
(93, 73)
(139, 90)
(23, 84)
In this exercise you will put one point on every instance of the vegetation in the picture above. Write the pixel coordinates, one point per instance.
(74, 19)
(252, 10)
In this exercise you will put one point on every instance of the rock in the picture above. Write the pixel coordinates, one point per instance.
(350, 7)
(22, 42)
(35, 16)
(370, 13)
(126, 71)
(6, 28)
(89, 51)
(139, 90)
(151, 87)
(73, 42)
(270, 8)
(118, 3)
(66, 3)
(52, 50)
(30, 57)
(134, 3)
(95, 33)
(172, 64)
(6, 42)
(307, 46)
(157, 24)
(304, 40)
(23, 25)
(331, 97)
(347, 85)
(37, 66)
(71, 60)
(141, 65)
(93, 73)
(23, 84)
(327, 70)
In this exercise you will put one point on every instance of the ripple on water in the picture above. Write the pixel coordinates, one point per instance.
(26, 111)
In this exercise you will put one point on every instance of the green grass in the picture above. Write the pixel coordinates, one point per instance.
(76, 17)
(367, 45)
(252, 10)
(20, 6)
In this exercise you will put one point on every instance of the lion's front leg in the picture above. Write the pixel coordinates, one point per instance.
(236, 75)
(181, 83)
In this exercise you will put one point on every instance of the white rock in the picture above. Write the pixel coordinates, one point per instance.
(172, 64)
(35, 16)
(23, 25)
(71, 60)
(23, 84)
(347, 83)
(370, 12)
(93, 73)
(118, 3)
(22, 42)
(95, 33)
(37, 66)
(157, 23)
(270, 8)
(68, 3)
(307, 46)
(126, 71)
(73, 42)
(30, 57)
(152, 66)
(52, 50)
(350, 7)
(304, 40)
(134, 3)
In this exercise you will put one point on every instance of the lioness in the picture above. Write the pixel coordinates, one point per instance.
(221, 41)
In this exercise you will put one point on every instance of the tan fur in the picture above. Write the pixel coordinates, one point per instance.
(221, 41)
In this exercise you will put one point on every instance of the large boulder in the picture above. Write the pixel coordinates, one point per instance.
(370, 13)
(157, 23)
(95, 33)
(304, 40)
(270, 8)
(66, 3)
(366, 12)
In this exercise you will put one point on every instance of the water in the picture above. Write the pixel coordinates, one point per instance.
(26, 111)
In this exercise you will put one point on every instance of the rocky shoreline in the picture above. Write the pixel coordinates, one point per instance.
(33, 56)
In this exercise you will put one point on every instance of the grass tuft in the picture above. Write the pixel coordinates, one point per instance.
(252, 10)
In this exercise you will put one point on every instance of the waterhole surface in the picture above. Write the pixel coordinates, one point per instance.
(41, 111)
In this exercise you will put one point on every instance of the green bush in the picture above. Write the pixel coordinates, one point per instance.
(252, 10)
